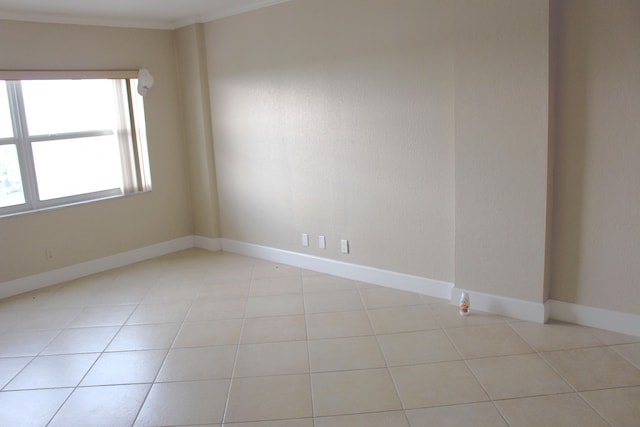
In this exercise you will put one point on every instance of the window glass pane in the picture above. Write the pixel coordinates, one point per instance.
(6, 128)
(62, 106)
(77, 166)
(11, 192)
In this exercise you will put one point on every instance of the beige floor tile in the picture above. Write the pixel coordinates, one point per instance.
(144, 337)
(253, 399)
(631, 352)
(211, 308)
(23, 302)
(613, 338)
(562, 410)
(31, 407)
(414, 348)
(198, 363)
(126, 367)
(208, 333)
(120, 295)
(216, 292)
(267, 359)
(380, 419)
(593, 368)
(328, 302)
(263, 270)
(365, 285)
(470, 414)
(160, 313)
(385, 297)
(352, 392)
(508, 377)
(555, 335)
(447, 316)
(171, 291)
(338, 324)
(49, 318)
(81, 340)
(273, 329)
(237, 290)
(306, 422)
(107, 405)
(104, 315)
(9, 319)
(184, 403)
(226, 275)
(276, 286)
(485, 341)
(619, 406)
(53, 372)
(326, 283)
(276, 305)
(436, 384)
(10, 367)
(427, 299)
(402, 319)
(343, 354)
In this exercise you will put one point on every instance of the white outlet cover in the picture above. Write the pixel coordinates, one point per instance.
(305, 239)
(322, 242)
(344, 246)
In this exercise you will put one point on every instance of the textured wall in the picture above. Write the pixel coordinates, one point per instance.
(501, 131)
(335, 118)
(597, 228)
(90, 231)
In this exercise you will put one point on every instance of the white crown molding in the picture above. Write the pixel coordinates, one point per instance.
(230, 11)
(46, 18)
(151, 24)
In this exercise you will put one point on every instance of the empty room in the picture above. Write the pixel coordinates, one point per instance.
(320, 213)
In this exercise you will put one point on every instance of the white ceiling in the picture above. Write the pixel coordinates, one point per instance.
(161, 14)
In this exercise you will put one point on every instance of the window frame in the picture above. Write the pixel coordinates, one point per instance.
(130, 133)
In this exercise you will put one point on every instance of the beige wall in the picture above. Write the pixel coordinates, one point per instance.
(501, 146)
(597, 219)
(196, 116)
(336, 117)
(341, 117)
(96, 230)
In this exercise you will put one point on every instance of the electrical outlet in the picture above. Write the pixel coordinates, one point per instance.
(322, 242)
(48, 254)
(344, 246)
(305, 239)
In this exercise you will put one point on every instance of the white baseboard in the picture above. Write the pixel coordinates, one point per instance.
(624, 323)
(390, 279)
(505, 306)
(64, 274)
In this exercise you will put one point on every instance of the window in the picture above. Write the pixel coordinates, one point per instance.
(64, 141)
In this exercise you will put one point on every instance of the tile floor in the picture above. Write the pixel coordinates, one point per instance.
(217, 339)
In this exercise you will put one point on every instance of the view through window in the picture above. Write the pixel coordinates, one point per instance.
(65, 141)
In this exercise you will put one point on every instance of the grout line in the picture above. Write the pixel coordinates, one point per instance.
(235, 358)
(164, 359)
(306, 331)
(97, 358)
(384, 357)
